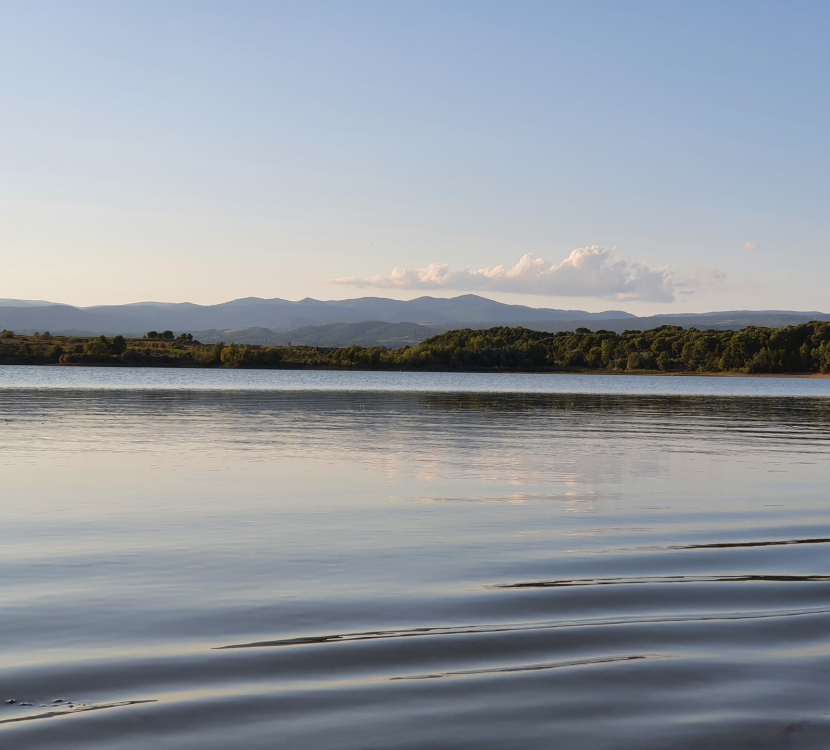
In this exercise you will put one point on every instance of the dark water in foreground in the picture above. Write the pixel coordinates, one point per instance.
(239, 567)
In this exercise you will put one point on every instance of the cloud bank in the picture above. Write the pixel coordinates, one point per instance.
(586, 272)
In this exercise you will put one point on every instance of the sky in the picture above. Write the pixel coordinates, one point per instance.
(647, 156)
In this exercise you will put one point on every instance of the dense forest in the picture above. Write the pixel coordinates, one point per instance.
(795, 349)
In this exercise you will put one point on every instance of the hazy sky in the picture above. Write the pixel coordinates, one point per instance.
(204, 151)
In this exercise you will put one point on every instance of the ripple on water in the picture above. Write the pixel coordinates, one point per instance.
(331, 566)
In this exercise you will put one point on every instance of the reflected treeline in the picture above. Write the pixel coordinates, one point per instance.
(308, 416)
(247, 401)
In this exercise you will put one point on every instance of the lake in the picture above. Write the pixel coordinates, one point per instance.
(275, 559)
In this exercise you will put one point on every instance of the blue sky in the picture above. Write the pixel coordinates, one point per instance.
(205, 151)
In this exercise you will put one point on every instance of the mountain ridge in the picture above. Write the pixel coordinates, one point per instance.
(368, 321)
(276, 314)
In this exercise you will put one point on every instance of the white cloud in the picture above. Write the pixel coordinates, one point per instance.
(586, 272)
(751, 246)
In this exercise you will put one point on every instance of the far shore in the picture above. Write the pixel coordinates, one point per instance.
(628, 373)
(801, 351)
(819, 375)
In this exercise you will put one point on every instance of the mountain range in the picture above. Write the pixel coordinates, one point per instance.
(367, 321)
(275, 314)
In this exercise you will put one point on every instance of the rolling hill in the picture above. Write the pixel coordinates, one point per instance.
(366, 321)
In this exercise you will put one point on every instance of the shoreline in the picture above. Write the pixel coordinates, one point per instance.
(801, 351)
(634, 373)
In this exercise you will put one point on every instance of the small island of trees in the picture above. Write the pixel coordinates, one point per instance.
(795, 349)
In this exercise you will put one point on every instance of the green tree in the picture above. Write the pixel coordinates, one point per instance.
(230, 355)
(664, 361)
(635, 361)
(218, 348)
(97, 349)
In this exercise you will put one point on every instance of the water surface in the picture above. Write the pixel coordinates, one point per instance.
(209, 559)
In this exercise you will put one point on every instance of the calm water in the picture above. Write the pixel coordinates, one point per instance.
(214, 559)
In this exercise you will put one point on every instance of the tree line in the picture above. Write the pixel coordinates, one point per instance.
(799, 348)
(794, 349)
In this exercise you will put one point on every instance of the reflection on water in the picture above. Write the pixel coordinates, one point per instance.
(413, 569)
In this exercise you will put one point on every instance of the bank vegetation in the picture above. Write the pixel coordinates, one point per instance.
(795, 349)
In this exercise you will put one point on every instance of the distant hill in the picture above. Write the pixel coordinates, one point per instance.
(367, 321)
(23, 302)
(368, 333)
(276, 314)
(735, 320)
(396, 335)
